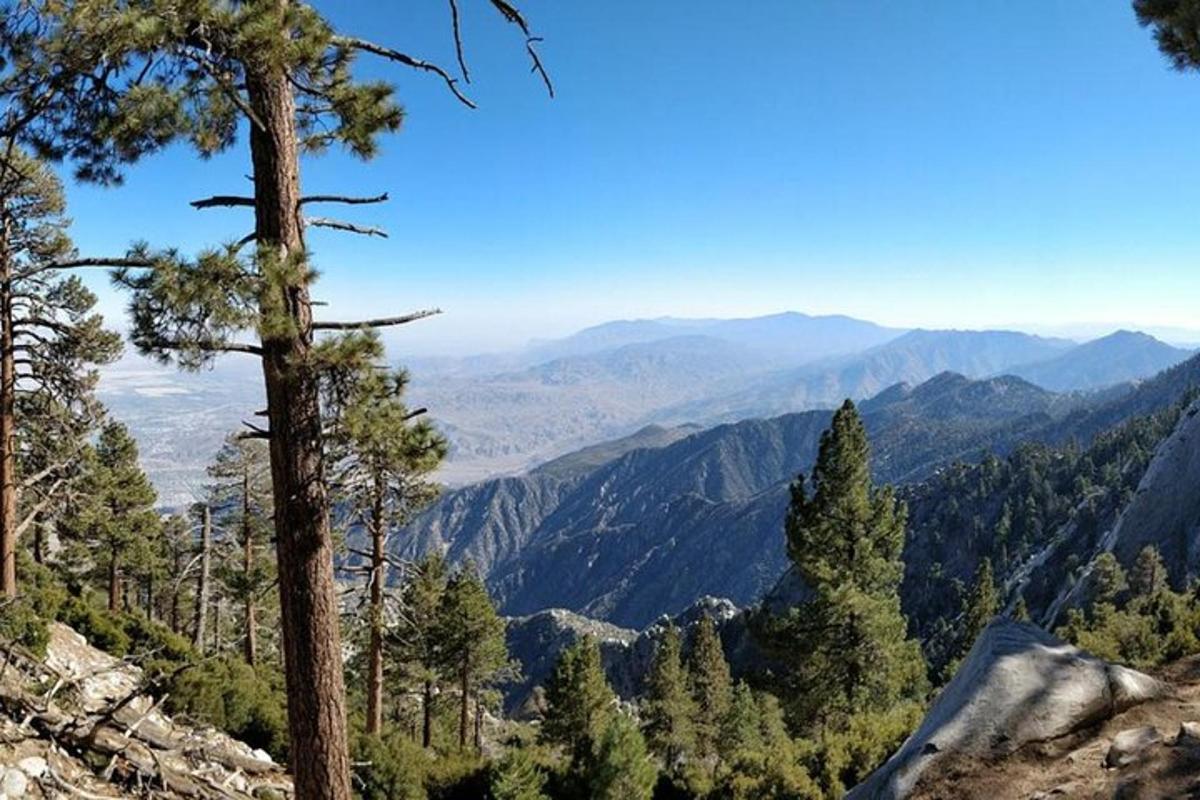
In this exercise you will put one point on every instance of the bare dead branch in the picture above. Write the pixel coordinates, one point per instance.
(381, 322)
(222, 200)
(341, 225)
(458, 43)
(355, 43)
(340, 198)
(537, 63)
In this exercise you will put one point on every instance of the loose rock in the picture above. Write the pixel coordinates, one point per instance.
(1131, 745)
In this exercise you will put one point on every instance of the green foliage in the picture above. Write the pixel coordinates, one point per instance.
(517, 776)
(620, 768)
(391, 768)
(667, 708)
(711, 688)
(1174, 23)
(845, 649)
(845, 755)
(1145, 630)
(580, 701)
(1108, 580)
(246, 702)
(100, 628)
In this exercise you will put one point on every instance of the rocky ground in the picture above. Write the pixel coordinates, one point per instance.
(1147, 752)
(81, 724)
(1028, 717)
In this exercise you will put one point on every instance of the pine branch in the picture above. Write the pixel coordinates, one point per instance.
(339, 198)
(255, 432)
(38, 509)
(381, 322)
(208, 347)
(340, 225)
(80, 263)
(222, 200)
(354, 43)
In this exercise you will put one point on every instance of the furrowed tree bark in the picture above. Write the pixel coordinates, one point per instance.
(8, 442)
(311, 638)
(464, 709)
(202, 579)
(375, 652)
(427, 715)
(114, 581)
(250, 643)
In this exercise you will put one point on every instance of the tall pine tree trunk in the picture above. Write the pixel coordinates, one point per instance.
(478, 724)
(8, 460)
(464, 709)
(427, 714)
(114, 581)
(250, 643)
(311, 638)
(375, 652)
(203, 578)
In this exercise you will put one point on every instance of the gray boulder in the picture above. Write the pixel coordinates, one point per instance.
(1132, 745)
(1017, 685)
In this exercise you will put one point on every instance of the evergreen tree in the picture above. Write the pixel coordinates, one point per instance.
(742, 731)
(50, 342)
(981, 606)
(621, 768)
(382, 462)
(1174, 26)
(471, 641)
(847, 644)
(1149, 574)
(518, 777)
(180, 557)
(1108, 580)
(580, 701)
(711, 688)
(112, 81)
(116, 523)
(667, 709)
(241, 493)
(418, 635)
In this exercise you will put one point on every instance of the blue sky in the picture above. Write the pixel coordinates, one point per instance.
(937, 164)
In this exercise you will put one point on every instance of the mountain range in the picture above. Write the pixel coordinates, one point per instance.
(677, 514)
(506, 414)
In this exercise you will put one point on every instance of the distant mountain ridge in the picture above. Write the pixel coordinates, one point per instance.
(1118, 357)
(657, 527)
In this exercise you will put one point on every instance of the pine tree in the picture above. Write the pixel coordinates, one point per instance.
(241, 493)
(1174, 25)
(471, 641)
(742, 731)
(418, 635)
(204, 556)
(1149, 574)
(981, 606)
(112, 81)
(621, 768)
(116, 523)
(180, 557)
(382, 463)
(580, 701)
(711, 687)
(1108, 580)
(518, 777)
(667, 709)
(50, 342)
(1021, 610)
(847, 644)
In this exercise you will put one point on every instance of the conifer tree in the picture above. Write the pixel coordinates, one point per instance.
(1174, 26)
(981, 605)
(111, 81)
(116, 522)
(667, 709)
(1108, 580)
(181, 560)
(518, 777)
(471, 640)
(847, 643)
(1149, 574)
(580, 701)
(382, 463)
(204, 546)
(418, 635)
(50, 342)
(742, 731)
(711, 688)
(241, 492)
(621, 768)
(1021, 610)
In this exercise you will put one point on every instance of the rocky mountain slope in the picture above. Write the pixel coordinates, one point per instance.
(80, 723)
(1022, 696)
